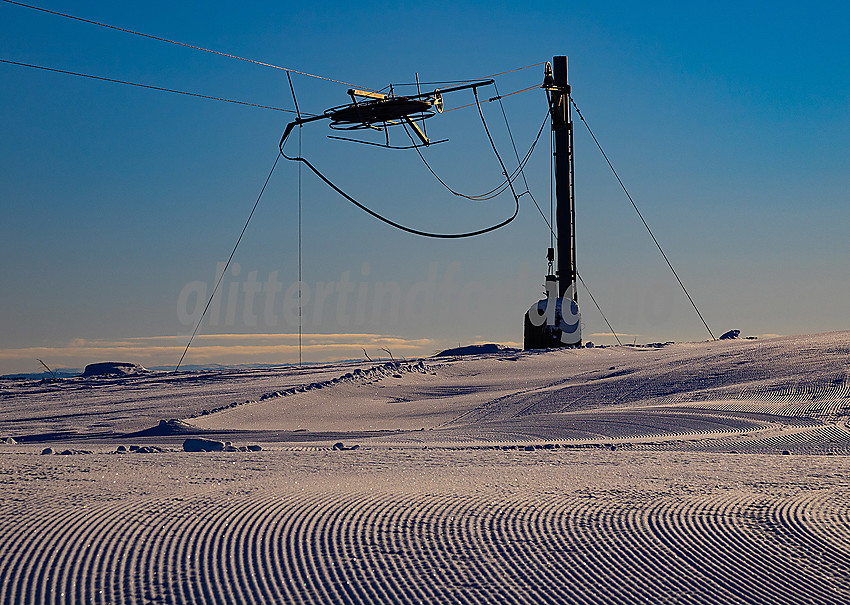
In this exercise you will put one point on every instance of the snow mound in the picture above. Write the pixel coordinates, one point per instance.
(114, 368)
(486, 349)
(168, 427)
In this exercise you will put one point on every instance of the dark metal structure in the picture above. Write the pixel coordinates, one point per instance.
(565, 213)
(379, 111)
(555, 321)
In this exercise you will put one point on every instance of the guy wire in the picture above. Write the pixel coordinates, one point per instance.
(634, 205)
(227, 264)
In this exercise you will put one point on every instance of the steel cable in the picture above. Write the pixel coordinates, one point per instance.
(144, 35)
(179, 92)
(227, 264)
(411, 230)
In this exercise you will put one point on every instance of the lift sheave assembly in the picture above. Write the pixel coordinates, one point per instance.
(379, 111)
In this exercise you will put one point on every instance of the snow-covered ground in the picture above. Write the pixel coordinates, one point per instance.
(611, 475)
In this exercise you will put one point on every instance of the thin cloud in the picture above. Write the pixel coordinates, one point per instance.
(215, 348)
(252, 336)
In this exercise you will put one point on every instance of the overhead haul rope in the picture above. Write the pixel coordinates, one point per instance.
(227, 264)
(490, 77)
(179, 92)
(206, 50)
(237, 57)
(657, 244)
(397, 225)
(510, 71)
(510, 94)
(501, 73)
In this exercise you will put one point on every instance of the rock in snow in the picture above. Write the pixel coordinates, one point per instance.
(197, 444)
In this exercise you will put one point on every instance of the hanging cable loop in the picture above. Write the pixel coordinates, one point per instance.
(388, 221)
(503, 185)
(393, 223)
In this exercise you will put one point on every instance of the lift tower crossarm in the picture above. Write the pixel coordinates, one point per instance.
(366, 94)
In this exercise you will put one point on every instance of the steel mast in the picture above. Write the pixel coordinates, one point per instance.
(556, 321)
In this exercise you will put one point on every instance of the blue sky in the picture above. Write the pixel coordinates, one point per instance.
(729, 123)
